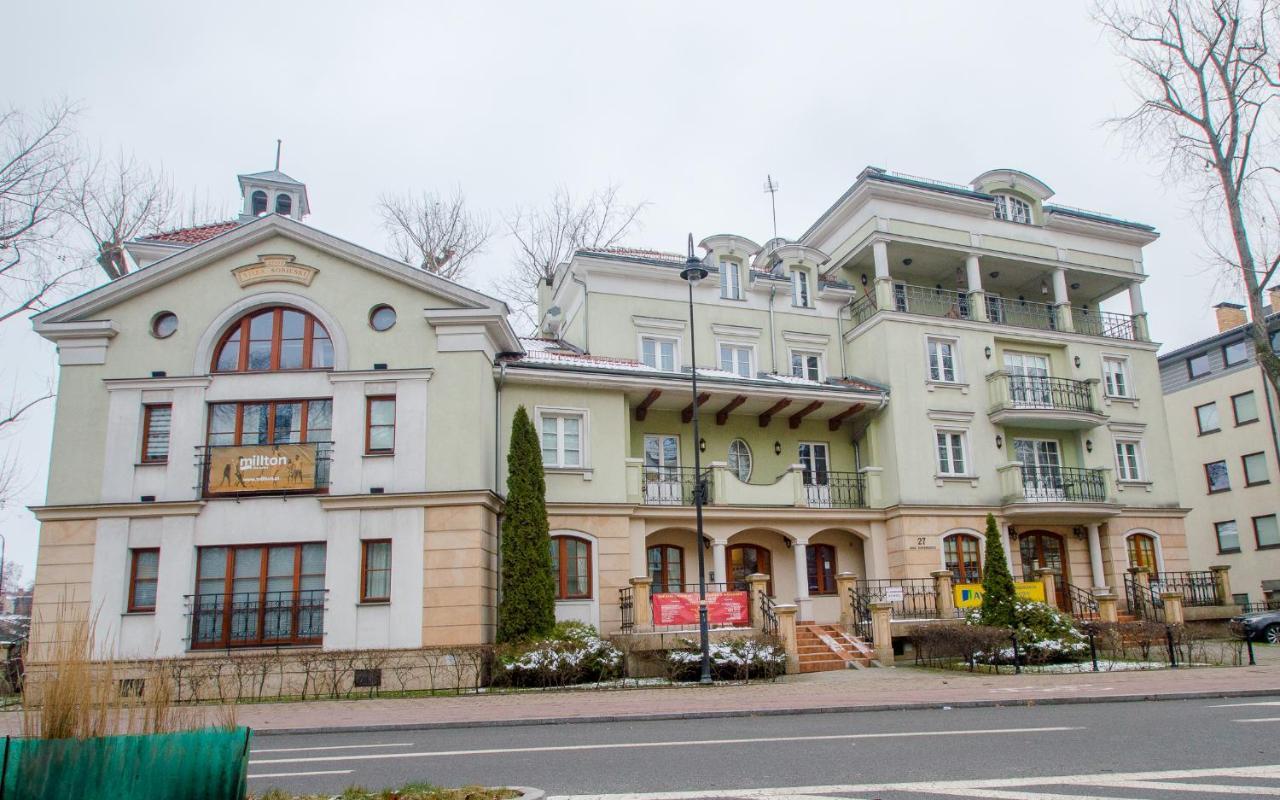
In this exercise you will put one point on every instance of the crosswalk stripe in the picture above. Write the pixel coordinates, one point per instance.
(1202, 788)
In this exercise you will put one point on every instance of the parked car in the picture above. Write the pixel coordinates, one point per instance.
(1263, 626)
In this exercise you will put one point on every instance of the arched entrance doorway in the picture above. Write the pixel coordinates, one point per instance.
(1044, 550)
(1142, 552)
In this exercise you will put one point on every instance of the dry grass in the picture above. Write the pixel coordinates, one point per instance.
(77, 696)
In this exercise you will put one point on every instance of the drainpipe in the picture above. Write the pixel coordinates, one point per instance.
(844, 368)
(586, 314)
(497, 461)
(773, 339)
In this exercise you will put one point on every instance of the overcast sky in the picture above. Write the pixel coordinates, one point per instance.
(684, 105)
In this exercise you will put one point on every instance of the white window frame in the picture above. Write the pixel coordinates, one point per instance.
(822, 367)
(957, 375)
(950, 472)
(801, 288)
(721, 344)
(730, 289)
(1012, 208)
(1140, 470)
(751, 459)
(584, 439)
(675, 349)
(1123, 363)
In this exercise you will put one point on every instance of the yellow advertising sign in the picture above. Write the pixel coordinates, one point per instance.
(969, 595)
(262, 468)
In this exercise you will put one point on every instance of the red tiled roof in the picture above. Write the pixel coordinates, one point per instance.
(195, 235)
(635, 252)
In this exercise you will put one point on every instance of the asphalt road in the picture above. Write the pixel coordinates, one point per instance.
(1199, 748)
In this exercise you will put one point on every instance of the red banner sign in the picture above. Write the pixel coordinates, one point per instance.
(681, 608)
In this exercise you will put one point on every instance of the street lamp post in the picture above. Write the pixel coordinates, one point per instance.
(692, 273)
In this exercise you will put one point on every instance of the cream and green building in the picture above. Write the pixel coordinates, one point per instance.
(266, 436)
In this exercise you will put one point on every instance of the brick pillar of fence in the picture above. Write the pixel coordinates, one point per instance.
(1173, 608)
(787, 632)
(1222, 581)
(882, 632)
(846, 585)
(1048, 577)
(1107, 611)
(641, 608)
(757, 584)
(946, 598)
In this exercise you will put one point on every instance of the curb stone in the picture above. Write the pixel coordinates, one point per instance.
(528, 792)
(776, 712)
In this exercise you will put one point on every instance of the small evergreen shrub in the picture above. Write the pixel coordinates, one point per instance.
(573, 653)
(1045, 635)
(739, 659)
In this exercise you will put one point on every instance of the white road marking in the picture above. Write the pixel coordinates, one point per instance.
(301, 774)
(1202, 788)
(331, 747)
(634, 745)
(1258, 719)
(938, 787)
(1238, 705)
(1005, 794)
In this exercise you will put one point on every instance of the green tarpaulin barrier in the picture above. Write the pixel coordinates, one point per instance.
(192, 765)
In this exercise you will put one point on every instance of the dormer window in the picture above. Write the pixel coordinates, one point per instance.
(284, 204)
(274, 339)
(259, 203)
(1012, 209)
(730, 280)
(800, 288)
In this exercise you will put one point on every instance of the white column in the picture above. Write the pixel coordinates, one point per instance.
(1060, 287)
(1095, 556)
(798, 551)
(880, 252)
(1135, 299)
(718, 562)
(977, 301)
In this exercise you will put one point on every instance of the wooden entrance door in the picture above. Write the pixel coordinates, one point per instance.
(1044, 550)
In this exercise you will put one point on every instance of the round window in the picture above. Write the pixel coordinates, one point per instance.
(740, 460)
(381, 318)
(164, 324)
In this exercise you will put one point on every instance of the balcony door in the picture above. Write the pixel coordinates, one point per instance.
(817, 478)
(259, 595)
(1044, 550)
(662, 469)
(1041, 469)
(1028, 380)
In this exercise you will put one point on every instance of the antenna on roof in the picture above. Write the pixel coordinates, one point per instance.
(771, 186)
(277, 155)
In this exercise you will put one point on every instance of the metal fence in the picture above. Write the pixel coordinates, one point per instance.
(1080, 603)
(674, 486)
(912, 598)
(626, 605)
(1022, 313)
(934, 302)
(250, 619)
(1198, 588)
(1063, 484)
(1143, 603)
(836, 490)
(1063, 394)
(1103, 323)
(768, 616)
(861, 623)
(862, 309)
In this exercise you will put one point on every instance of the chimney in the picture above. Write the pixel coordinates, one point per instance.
(1230, 315)
(1275, 299)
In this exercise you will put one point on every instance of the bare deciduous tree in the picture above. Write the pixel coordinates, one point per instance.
(1207, 76)
(437, 234)
(549, 235)
(116, 200)
(35, 167)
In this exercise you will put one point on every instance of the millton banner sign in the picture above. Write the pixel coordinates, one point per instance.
(262, 468)
(681, 608)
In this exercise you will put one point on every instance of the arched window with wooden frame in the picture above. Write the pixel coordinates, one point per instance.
(962, 555)
(748, 559)
(821, 568)
(571, 566)
(1142, 552)
(274, 339)
(666, 567)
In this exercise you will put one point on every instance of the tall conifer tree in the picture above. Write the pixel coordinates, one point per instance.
(998, 593)
(528, 606)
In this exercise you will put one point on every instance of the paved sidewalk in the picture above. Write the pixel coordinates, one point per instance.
(845, 690)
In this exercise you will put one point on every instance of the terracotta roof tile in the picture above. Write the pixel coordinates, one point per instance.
(194, 235)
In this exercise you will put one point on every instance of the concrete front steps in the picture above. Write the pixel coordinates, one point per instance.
(827, 647)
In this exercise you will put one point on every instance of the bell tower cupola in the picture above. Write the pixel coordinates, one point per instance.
(272, 192)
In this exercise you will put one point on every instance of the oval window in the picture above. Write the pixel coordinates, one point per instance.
(164, 324)
(381, 318)
(740, 460)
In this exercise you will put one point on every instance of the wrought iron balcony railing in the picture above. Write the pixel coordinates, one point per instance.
(931, 302)
(674, 486)
(1022, 313)
(257, 619)
(1104, 323)
(1063, 485)
(1032, 392)
(835, 490)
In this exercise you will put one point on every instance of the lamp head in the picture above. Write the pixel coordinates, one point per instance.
(693, 271)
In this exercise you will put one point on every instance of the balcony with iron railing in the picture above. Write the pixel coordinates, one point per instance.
(1028, 489)
(936, 301)
(256, 619)
(797, 487)
(1043, 401)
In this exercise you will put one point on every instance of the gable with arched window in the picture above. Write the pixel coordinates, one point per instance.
(962, 556)
(273, 339)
